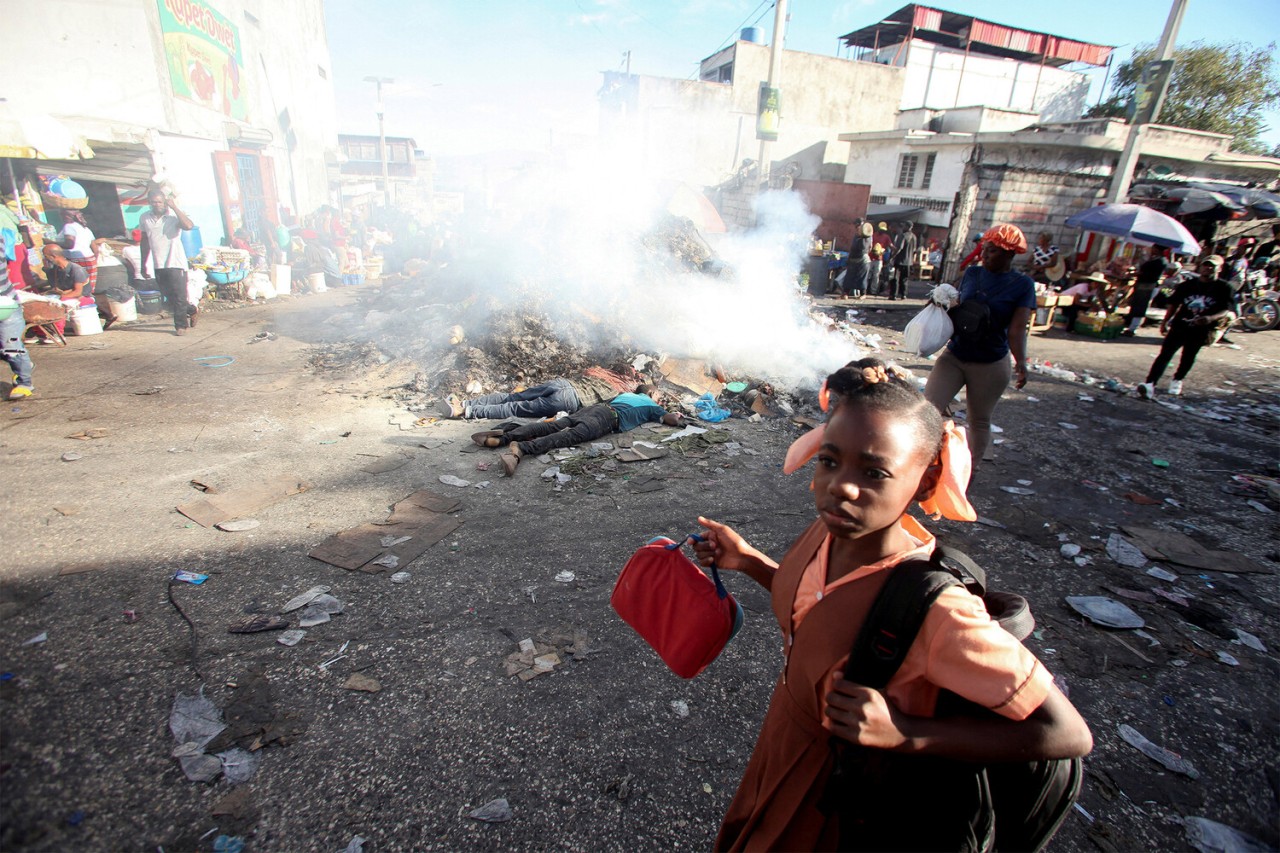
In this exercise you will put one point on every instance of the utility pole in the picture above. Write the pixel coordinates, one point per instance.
(1123, 176)
(775, 77)
(382, 137)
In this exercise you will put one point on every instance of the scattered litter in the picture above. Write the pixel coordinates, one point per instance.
(566, 577)
(214, 508)
(1209, 836)
(1162, 574)
(228, 844)
(239, 765)
(1017, 490)
(484, 484)
(155, 389)
(1171, 547)
(85, 435)
(680, 707)
(1104, 611)
(1160, 463)
(355, 845)
(131, 616)
(1031, 399)
(306, 598)
(551, 473)
(1151, 641)
(1171, 760)
(393, 541)
(214, 360)
(1066, 425)
(1140, 499)
(383, 464)
(422, 516)
(391, 561)
(256, 624)
(997, 430)
(1260, 507)
(642, 451)
(360, 682)
(291, 637)
(1176, 598)
(1244, 638)
(1024, 482)
(71, 456)
(312, 615)
(331, 661)
(991, 522)
(1084, 398)
(190, 577)
(65, 511)
(494, 811)
(238, 526)
(262, 336)
(1069, 550)
(400, 577)
(37, 639)
(450, 480)
(1228, 659)
(1125, 552)
(689, 430)
(1083, 812)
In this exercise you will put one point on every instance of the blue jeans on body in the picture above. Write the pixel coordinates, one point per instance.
(15, 351)
(585, 425)
(540, 401)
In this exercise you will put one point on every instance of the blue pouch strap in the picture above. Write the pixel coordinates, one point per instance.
(721, 592)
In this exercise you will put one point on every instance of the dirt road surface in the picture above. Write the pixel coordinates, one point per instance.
(610, 751)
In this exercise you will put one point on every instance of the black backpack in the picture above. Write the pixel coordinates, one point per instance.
(971, 319)
(892, 802)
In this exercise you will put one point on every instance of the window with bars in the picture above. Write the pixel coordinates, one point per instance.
(927, 178)
(907, 170)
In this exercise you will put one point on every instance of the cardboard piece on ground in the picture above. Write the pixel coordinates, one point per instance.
(211, 509)
(1181, 549)
(691, 374)
(423, 517)
(640, 453)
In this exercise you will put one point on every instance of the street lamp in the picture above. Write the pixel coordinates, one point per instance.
(382, 137)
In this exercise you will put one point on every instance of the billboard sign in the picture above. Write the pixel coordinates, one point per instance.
(203, 52)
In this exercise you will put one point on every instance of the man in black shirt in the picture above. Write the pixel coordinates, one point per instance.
(1149, 276)
(1196, 308)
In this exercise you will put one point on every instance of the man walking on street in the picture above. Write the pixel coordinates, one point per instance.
(855, 277)
(1150, 274)
(881, 259)
(904, 250)
(1196, 308)
(162, 228)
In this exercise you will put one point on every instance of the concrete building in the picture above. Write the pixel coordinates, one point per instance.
(700, 131)
(409, 173)
(971, 172)
(229, 101)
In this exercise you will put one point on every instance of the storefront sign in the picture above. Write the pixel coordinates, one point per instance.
(768, 113)
(203, 50)
(1148, 94)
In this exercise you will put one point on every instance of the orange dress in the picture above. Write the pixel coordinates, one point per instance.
(959, 648)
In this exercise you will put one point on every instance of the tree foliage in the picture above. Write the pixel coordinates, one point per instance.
(1221, 88)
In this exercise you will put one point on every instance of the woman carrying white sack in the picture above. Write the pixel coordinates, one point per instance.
(990, 323)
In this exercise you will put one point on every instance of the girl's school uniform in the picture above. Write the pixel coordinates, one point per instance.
(959, 648)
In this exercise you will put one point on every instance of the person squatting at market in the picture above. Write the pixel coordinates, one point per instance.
(1150, 274)
(541, 401)
(72, 283)
(624, 412)
(1198, 308)
(161, 243)
(979, 362)
(883, 447)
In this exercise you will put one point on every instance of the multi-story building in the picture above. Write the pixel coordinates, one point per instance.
(228, 102)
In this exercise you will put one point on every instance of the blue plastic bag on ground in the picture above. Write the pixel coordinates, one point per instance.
(707, 410)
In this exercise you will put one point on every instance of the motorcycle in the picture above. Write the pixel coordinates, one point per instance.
(1259, 306)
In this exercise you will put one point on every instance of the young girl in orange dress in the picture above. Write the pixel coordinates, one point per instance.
(882, 448)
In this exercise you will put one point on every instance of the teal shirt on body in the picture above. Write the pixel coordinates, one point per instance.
(635, 409)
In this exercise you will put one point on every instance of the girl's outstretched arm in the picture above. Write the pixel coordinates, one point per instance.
(729, 551)
(863, 716)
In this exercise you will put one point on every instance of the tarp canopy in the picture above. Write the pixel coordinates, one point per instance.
(891, 212)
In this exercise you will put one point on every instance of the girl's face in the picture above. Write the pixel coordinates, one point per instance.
(871, 466)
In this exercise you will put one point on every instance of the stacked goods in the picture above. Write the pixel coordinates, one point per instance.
(62, 193)
(1104, 326)
(223, 266)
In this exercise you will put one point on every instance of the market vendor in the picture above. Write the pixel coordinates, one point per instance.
(76, 240)
(69, 281)
(319, 258)
(1088, 294)
(1150, 274)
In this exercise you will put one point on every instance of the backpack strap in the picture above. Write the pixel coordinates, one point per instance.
(895, 619)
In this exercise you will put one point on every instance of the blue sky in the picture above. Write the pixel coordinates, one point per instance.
(482, 75)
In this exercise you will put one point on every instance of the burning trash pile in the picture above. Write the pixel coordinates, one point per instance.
(656, 304)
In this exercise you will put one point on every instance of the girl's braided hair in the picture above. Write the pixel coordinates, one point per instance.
(872, 383)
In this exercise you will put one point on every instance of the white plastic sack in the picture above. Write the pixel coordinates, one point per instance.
(928, 331)
(945, 295)
(196, 283)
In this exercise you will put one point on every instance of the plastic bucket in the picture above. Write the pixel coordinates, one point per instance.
(84, 321)
(126, 312)
(282, 278)
(316, 282)
(150, 302)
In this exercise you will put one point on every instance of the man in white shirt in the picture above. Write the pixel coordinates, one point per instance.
(162, 228)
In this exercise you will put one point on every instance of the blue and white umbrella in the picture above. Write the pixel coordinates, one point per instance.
(1137, 224)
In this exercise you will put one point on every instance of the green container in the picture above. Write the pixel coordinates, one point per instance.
(8, 309)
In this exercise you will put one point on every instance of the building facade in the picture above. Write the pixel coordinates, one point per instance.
(229, 103)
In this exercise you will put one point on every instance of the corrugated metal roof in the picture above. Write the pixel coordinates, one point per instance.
(956, 30)
(119, 163)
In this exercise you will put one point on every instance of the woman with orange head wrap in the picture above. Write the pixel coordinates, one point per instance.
(991, 323)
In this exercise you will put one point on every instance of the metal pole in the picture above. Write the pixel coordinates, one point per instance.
(775, 76)
(1123, 176)
(382, 138)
